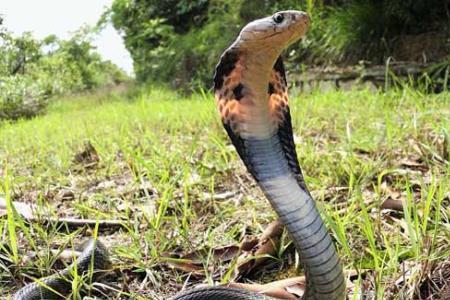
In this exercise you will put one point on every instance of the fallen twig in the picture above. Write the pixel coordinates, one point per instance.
(27, 211)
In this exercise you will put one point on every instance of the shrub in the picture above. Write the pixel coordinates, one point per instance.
(20, 97)
(179, 41)
(32, 71)
(373, 30)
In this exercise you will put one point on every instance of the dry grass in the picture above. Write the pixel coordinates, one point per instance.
(158, 161)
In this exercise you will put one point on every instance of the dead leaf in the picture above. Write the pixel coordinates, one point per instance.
(274, 289)
(392, 204)
(193, 262)
(252, 253)
(295, 286)
(24, 209)
(220, 254)
(65, 194)
(258, 253)
(446, 147)
(88, 157)
(248, 243)
(66, 255)
(221, 196)
(185, 265)
(436, 285)
(289, 288)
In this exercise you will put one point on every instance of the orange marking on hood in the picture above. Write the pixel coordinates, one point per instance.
(233, 112)
(278, 100)
(231, 109)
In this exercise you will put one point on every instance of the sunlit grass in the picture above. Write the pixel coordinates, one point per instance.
(162, 157)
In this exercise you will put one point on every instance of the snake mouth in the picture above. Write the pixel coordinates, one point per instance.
(272, 35)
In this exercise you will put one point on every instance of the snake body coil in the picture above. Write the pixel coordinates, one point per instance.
(251, 94)
(94, 257)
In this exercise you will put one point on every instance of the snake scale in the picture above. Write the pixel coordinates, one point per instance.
(250, 89)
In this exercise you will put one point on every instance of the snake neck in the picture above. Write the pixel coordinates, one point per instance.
(255, 75)
(294, 206)
(241, 89)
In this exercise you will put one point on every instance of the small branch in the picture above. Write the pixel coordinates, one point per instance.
(27, 212)
(77, 223)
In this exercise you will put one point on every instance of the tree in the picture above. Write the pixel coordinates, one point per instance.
(180, 41)
(32, 71)
(149, 26)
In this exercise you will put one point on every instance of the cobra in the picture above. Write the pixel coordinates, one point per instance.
(250, 89)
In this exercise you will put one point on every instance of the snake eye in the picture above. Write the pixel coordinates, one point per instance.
(278, 18)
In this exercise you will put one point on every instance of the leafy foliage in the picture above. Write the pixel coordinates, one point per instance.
(371, 30)
(179, 41)
(20, 96)
(31, 71)
(150, 29)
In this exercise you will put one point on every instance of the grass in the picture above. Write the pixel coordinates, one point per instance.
(160, 159)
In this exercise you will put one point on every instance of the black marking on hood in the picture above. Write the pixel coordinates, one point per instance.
(271, 89)
(286, 137)
(237, 91)
(279, 67)
(225, 66)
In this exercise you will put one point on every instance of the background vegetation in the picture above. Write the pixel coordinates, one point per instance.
(179, 41)
(32, 71)
(160, 164)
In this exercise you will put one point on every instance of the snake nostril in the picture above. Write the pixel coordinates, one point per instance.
(303, 17)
